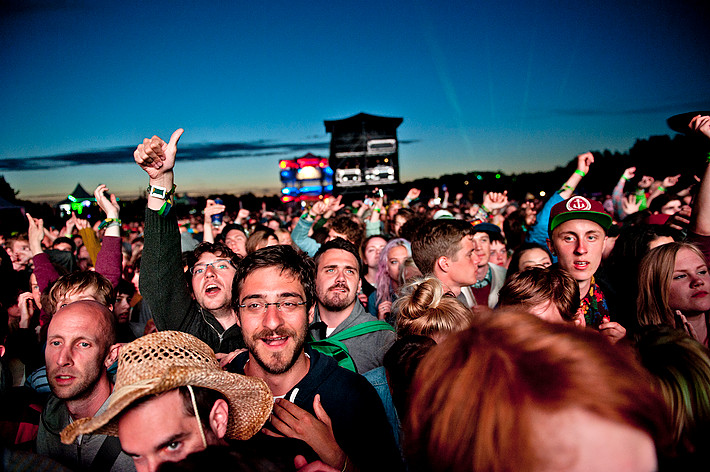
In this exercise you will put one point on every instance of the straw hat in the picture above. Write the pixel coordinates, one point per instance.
(166, 360)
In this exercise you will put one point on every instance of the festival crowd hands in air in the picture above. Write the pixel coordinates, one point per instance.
(560, 260)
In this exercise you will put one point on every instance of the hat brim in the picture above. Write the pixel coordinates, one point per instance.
(249, 398)
(602, 219)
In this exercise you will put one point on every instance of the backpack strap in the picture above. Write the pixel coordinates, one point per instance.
(360, 329)
(106, 455)
(334, 347)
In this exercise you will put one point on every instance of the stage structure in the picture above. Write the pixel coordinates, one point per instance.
(307, 178)
(364, 152)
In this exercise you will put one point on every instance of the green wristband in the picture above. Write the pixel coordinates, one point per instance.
(579, 172)
(661, 189)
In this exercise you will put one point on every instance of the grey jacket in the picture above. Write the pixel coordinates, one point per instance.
(79, 455)
(367, 350)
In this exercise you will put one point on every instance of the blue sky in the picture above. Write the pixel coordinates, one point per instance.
(512, 86)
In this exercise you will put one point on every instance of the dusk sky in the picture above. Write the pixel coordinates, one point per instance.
(511, 86)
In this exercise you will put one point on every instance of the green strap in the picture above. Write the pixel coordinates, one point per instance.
(334, 347)
(360, 329)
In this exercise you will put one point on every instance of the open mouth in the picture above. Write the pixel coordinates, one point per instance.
(581, 265)
(212, 289)
(275, 341)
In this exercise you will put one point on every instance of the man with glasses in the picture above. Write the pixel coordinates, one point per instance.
(337, 413)
(209, 315)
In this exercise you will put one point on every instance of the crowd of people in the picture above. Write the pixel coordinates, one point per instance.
(424, 334)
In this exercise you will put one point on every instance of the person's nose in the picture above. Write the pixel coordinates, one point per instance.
(272, 317)
(581, 247)
(65, 356)
(696, 281)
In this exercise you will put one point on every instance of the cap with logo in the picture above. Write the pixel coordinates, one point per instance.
(579, 208)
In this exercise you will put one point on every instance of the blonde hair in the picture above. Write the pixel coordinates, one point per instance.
(655, 275)
(424, 309)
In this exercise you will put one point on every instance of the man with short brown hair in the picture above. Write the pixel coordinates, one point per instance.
(445, 249)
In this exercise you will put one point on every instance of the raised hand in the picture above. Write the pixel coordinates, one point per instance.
(109, 205)
(413, 194)
(670, 181)
(318, 209)
(69, 226)
(212, 208)
(81, 223)
(35, 234)
(26, 306)
(629, 173)
(334, 204)
(701, 124)
(584, 161)
(157, 157)
(495, 201)
(630, 204)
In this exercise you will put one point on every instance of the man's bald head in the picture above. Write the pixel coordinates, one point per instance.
(105, 319)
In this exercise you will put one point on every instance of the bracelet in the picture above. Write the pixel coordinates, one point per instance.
(624, 178)
(165, 209)
(708, 158)
(377, 210)
(661, 189)
(345, 465)
(108, 222)
(579, 172)
(485, 209)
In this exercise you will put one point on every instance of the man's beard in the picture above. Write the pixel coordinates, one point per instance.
(277, 362)
(76, 391)
(336, 301)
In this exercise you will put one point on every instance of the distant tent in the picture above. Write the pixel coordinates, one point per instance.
(76, 201)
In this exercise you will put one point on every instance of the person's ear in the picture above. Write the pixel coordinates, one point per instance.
(219, 418)
(580, 322)
(311, 314)
(112, 355)
(442, 263)
(551, 247)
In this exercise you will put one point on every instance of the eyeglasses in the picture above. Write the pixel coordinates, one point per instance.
(220, 265)
(257, 307)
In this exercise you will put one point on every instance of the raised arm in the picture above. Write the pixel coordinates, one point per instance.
(618, 194)
(667, 183)
(300, 232)
(162, 282)
(584, 161)
(109, 258)
(212, 208)
(44, 271)
(701, 210)
(157, 159)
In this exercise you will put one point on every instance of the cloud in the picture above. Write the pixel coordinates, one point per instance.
(669, 108)
(187, 152)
